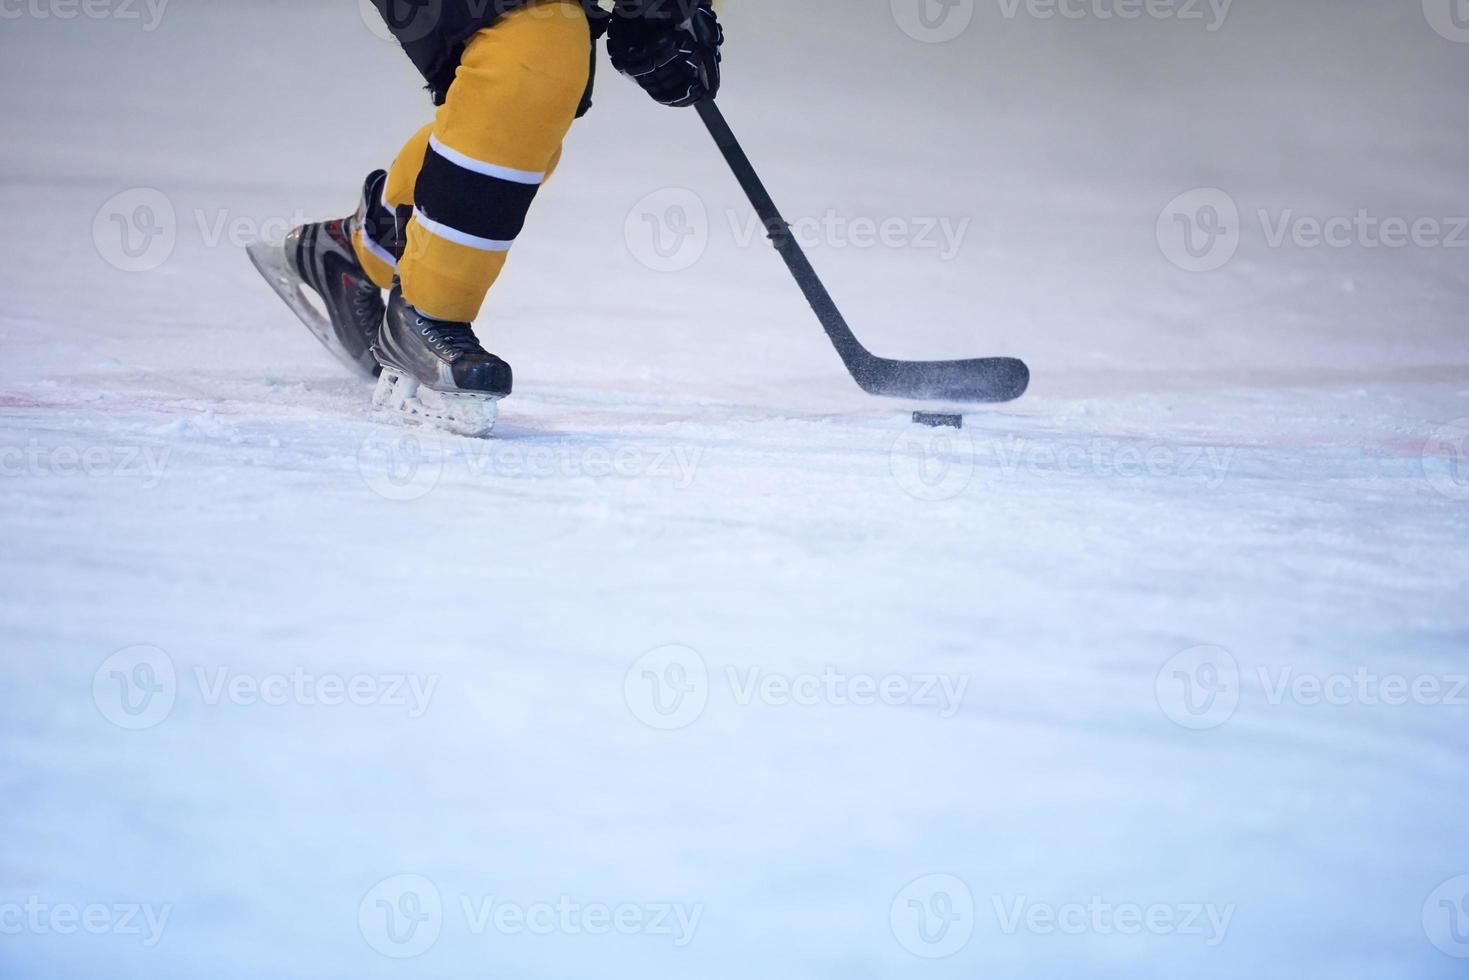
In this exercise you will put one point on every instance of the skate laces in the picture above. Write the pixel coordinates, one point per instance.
(364, 293)
(454, 339)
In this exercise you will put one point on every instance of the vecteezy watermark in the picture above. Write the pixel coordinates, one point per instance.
(935, 464)
(1450, 18)
(1112, 459)
(1446, 917)
(1211, 13)
(932, 916)
(933, 21)
(941, 234)
(409, 20)
(298, 686)
(136, 688)
(935, 916)
(567, 916)
(404, 915)
(1202, 230)
(36, 917)
(406, 463)
(142, 463)
(932, 464)
(149, 12)
(401, 916)
(1199, 688)
(138, 229)
(839, 688)
(1446, 459)
(1199, 230)
(668, 688)
(677, 465)
(670, 230)
(1361, 686)
(1362, 230)
(400, 462)
(667, 230)
(1102, 917)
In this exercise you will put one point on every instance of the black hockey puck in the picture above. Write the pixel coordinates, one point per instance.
(938, 420)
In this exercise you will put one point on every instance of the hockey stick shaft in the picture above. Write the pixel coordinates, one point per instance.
(779, 231)
(990, 379)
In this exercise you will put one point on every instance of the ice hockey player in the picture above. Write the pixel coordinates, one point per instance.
(508, 78)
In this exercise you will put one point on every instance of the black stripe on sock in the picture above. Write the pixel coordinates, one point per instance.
(478, 205)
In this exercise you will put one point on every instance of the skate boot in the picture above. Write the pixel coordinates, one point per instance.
(435, 371)
(317, 272)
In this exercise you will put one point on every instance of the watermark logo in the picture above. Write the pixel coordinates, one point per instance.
(1212, 13)
(1446, 459)
(568, 916)
(1202, 230)
(39, 918)
(932, 917)
(1362, 230)
(1199, 230)
(942, 236)
(668, 230)
(1450, 18)
(1362, 687)
(413, 693)
(1446, 917)
(135, 688)
(1102, 917)
(136, 230)
(401, 463)
(408, 463)
(836, 687)
(401, 916)
(145, 464)
(149, 11)
(401, 20)
(932, 464)
(933, 21)
(1199, 688)
(667, 688)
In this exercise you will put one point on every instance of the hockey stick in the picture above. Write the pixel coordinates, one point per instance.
(987, 379)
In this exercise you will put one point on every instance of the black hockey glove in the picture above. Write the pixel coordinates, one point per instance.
(669, 47)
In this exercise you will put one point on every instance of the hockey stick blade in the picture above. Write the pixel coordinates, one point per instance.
(986, 379)
(983, 379)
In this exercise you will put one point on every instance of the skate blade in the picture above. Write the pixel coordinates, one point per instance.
(400, 396)
(271, 262)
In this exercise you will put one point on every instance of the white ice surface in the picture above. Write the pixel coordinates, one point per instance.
(765, 521)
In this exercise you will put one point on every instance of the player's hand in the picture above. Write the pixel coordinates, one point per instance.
(669, 47)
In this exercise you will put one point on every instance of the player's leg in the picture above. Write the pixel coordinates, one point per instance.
(494, 140)
(379, 242)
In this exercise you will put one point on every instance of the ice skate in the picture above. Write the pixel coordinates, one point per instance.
(317, 272)
(435, 371)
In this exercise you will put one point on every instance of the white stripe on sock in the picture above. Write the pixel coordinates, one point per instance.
(380, 253)
(459, 237)
(481, 167)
